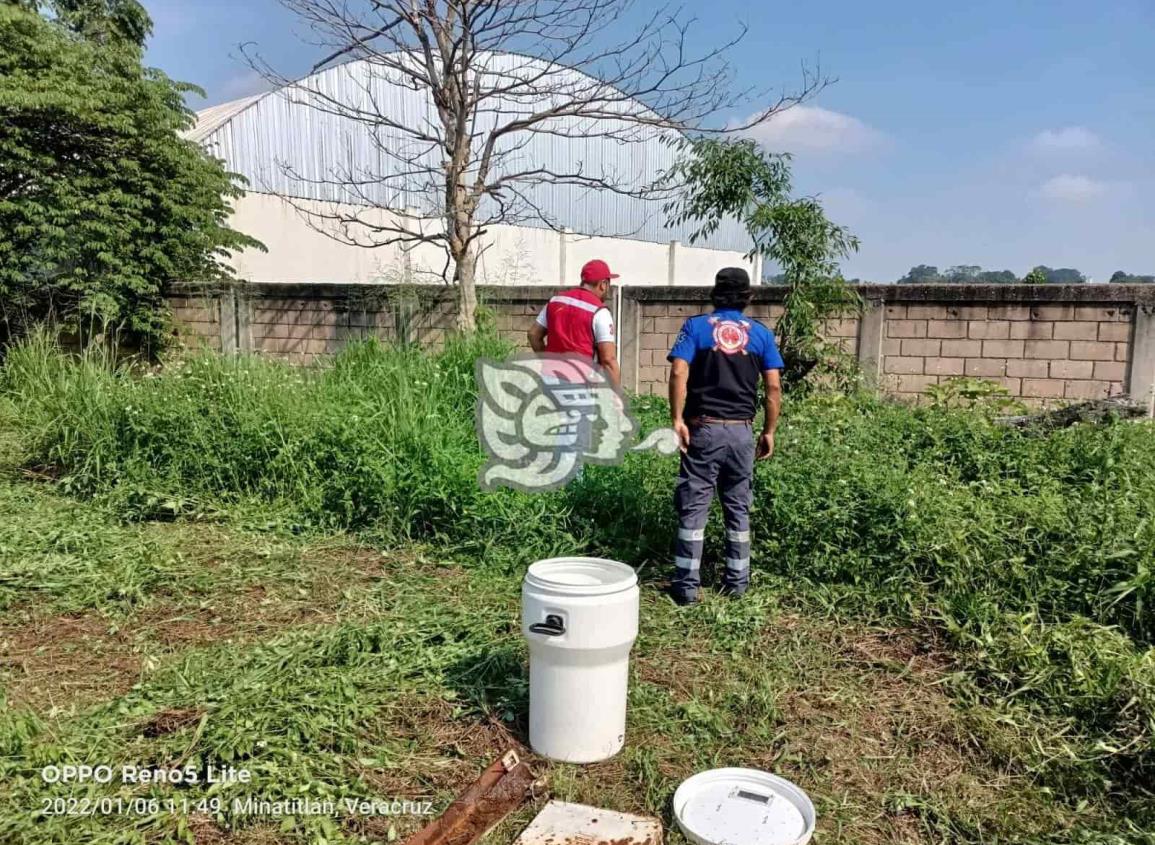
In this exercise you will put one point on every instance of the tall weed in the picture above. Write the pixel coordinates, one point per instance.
(1033, 552)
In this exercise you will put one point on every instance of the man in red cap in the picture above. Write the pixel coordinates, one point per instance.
(577, 321)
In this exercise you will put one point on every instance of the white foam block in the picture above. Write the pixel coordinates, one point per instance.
(563, 823)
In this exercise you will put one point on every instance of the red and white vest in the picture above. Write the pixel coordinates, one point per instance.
(570, 322)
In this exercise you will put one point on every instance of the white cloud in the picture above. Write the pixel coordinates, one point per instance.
(1067, 139)
(814, 129)
(1068, 187)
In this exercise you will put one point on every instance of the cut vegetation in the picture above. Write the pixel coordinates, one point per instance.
(293, 571)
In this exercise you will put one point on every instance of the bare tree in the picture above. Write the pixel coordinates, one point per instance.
(495, 76)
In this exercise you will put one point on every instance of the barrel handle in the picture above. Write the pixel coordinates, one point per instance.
(553, 626)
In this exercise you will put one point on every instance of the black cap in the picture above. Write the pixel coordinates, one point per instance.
(734, 279)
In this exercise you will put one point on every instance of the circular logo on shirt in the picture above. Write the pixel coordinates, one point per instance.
(731, 337)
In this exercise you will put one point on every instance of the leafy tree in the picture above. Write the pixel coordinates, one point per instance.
(462, 166)
(723, 178)
(1057, 276)
(102, 203)
(962, 274)
(1037, 276)
(1120, 277)
(997, 277)
(922, 274)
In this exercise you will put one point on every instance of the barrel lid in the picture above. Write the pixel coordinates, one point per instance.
(581, 576)
(743, 807)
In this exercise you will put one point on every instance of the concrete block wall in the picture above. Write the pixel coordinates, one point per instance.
(198, 317)
(301, 323)
(1045, 344)
(1052, 351)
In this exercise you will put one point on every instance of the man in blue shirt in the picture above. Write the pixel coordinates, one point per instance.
(715, 366)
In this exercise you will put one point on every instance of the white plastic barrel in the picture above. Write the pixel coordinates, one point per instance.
(580, 616)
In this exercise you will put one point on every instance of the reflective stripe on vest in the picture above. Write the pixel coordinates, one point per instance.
(569, 318)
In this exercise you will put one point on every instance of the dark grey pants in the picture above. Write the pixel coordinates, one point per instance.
(722, 457)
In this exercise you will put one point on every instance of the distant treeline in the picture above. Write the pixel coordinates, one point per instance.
(972, 274)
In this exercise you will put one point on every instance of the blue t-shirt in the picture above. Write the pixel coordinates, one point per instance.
(727, 353)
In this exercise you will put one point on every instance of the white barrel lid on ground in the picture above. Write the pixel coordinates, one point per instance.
(580, 576)
(743, 807)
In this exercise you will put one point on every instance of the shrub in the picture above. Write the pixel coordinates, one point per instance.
(1030, 551)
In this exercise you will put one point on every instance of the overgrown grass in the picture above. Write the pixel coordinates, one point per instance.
(1031, 553)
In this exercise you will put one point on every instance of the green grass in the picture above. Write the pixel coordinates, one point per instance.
(950, 640)
(414, 677)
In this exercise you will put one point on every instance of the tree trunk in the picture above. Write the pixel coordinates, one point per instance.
(463, 272)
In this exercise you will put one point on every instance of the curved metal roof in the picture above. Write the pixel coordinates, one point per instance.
(296, 141)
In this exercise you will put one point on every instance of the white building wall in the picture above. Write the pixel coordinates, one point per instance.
(299, 250)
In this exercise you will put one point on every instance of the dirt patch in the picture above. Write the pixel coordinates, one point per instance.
(59, 661)
(876, 733)
(448, 750)
(170, 721)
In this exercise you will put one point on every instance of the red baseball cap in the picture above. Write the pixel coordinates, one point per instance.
(596, 271)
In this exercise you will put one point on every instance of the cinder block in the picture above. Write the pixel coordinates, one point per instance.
(985, 367)
(915, 383)
(1028, 368)
(1046, 348)
(1052, 312)
(1076, 331)
(946, 328)
(1032, 330)
(926, 312)
(1114, 331)
(314, 317)
(1122, 352)
(962, 348)
(1092, 350)
(844, 327)
(1003, 348)
(193, 314)
(972, 312)
(899, 364)
(1043, 387)
(916, 346)
(1014, 386)
(290, 330)
(1103, 313)
(654, 341)
(1009, 312)
(891, 346)
(668, 324)
(685, 309)
(906, 328)
(1110, 370)
(1082, 389)
(271, 316)
(944, 366)
(895, 312)
(279, 345)
(988, 329)
(317, 347)
(1072, 369)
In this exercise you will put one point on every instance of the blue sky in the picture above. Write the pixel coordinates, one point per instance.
(1005, 134)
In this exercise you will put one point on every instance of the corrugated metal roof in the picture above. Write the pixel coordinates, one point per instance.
(211, 119)
(285, 142)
